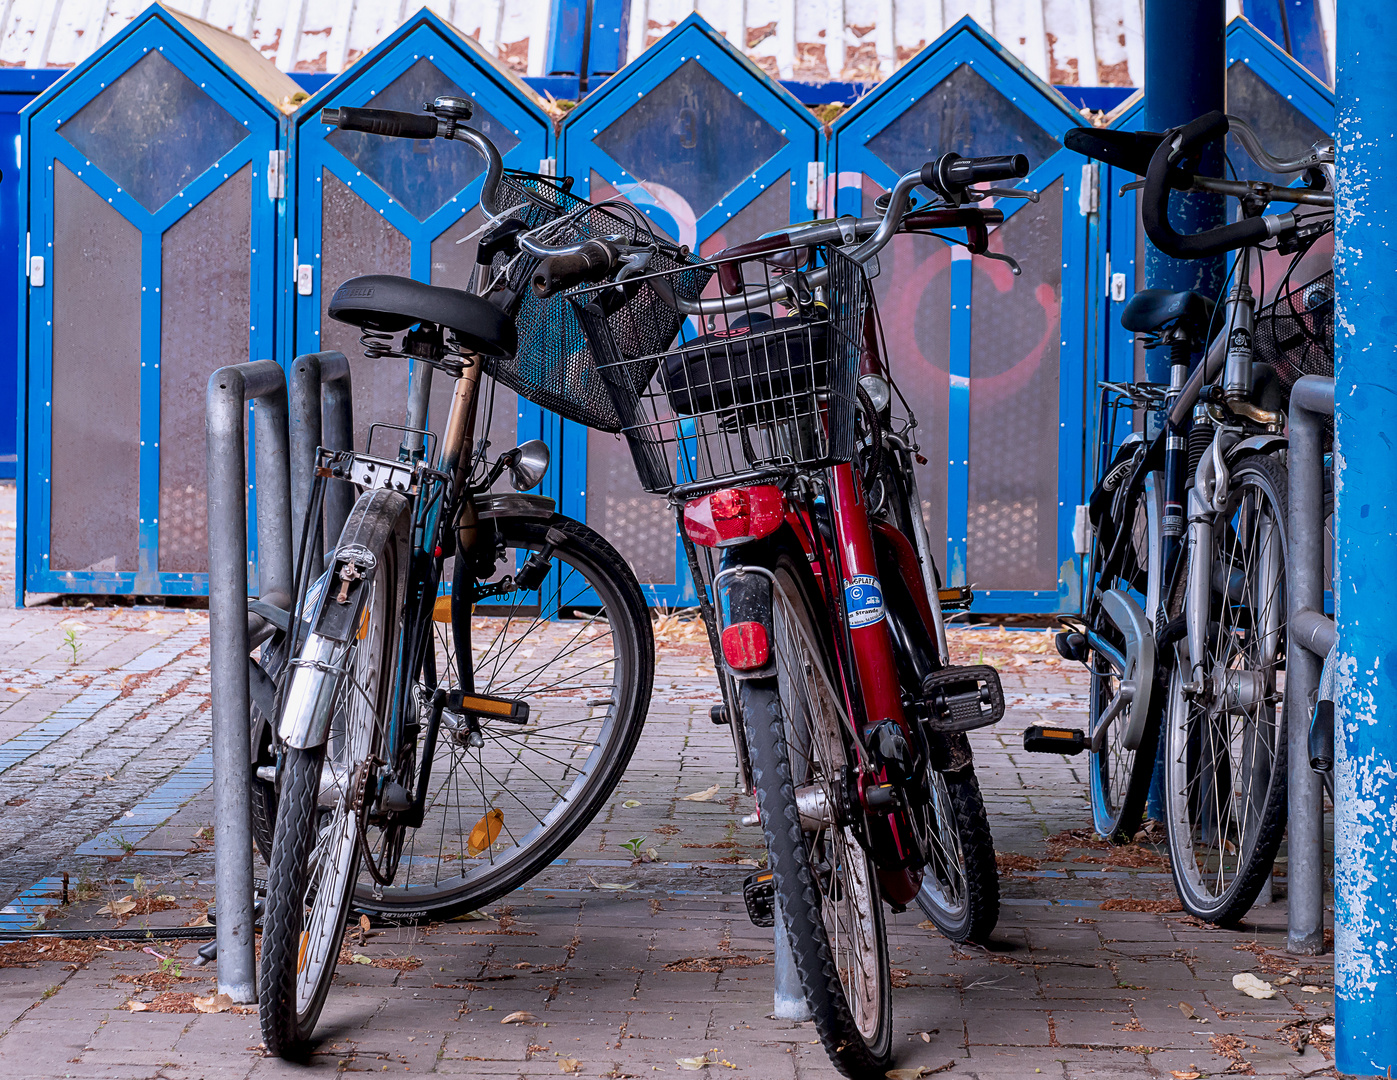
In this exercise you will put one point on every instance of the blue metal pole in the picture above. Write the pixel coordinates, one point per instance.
(1185, 77)
(1365, 729)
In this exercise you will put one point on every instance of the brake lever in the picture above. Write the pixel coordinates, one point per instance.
(1001, 257)
(637, 263)
(1134, 185)
(995, 192)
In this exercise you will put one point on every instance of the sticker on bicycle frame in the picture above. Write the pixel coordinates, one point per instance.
(863, 598)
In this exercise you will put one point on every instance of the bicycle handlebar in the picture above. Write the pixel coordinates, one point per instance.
(950, 174)
(398, 125)
(1164, 173)
(596, 261)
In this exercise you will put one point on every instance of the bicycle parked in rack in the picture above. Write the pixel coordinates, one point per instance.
(1184, 624)
(775, 430)
(420, 755)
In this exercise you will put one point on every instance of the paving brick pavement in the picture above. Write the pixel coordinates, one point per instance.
(627, 968)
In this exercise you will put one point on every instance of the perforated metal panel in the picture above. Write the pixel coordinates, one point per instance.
(205, 308)
(1016, 326)
(96, 415)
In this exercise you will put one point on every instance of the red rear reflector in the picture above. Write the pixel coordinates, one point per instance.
(745, 646)
(735, 515)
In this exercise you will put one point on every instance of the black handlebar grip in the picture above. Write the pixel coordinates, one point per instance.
(1154, 212)
(398, 125)
(951, 173)
(594, 262)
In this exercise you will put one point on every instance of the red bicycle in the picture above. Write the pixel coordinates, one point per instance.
(774, 428)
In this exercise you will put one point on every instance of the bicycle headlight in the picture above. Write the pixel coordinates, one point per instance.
(878, 391)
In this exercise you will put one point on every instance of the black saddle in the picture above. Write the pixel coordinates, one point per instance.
(1129, 150)
(391, 304)
(1153, 309)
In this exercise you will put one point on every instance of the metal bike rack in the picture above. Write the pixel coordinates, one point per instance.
(322, 414)
(232, 628)
(1312, 635)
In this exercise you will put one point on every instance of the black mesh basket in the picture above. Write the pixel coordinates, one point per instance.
(761, 388)
(554, 366)
(1295, 332)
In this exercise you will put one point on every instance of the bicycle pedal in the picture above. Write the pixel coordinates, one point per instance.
(958, 598)
(759, 893)
(1041, 739)
(963, 698)
(1071, 645)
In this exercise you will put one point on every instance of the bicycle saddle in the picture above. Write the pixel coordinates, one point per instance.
(391, 304)
(1124, 149)
(1153, 309)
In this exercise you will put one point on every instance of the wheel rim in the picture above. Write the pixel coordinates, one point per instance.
(348, 768)
(1223, 752)
(839, 865)
(493, 804)
(945, 885)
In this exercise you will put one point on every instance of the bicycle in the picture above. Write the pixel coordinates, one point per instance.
(771, 428)
(1219, 599)
(420, 754)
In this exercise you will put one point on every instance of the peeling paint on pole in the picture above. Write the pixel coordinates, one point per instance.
(1365, 481)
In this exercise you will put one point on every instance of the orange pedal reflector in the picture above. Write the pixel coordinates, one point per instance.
(1042, 739)
(485, 833)
(510, 710)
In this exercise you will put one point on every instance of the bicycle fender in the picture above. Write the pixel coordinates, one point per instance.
(743, 597)
(1254, 444)
(1137, 680)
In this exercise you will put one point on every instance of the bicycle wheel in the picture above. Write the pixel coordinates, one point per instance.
(960, 883)
(825, 881)
(324, 798)
(1119, 776)
(1225, 748)
(505, 799)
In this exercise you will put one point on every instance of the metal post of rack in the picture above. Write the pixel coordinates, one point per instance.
(1311, 637)
(322, 414)
(232, 628)
(790, 1001)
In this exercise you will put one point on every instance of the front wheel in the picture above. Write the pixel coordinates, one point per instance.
(1225, 741)
(826, 884)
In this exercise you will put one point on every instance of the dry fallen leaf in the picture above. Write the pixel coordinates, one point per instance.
(1187, 1010)
(215, 1003)
(520, 1017)
(1327, 1030)
(925, 1036)
(359, 958)
(124, 906)
(629, 804)
(363, 924)
(611, 886)
(1284, 980)
(693, 1064)
(1312, 989)
(927, 924)
(1250, 985)
(908, 1074)
(570, 1065)
(702, 796)
(137, 1006)
(1178, 1074)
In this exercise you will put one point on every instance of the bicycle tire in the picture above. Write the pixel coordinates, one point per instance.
(975, 918)
(303, 841)
(1257, 846)
(854, 1051)
(613, 582)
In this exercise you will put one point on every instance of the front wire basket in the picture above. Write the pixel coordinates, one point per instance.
(553, 365)
(1295, 332)
(762, 389)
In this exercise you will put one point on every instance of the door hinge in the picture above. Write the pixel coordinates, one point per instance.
(276, 174)
(1087, 199)
(1081, 532)
(36, 271)
(305, 279)
(548, 166)
(814, 185)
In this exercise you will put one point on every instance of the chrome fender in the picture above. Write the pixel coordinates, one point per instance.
(1136, 670)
